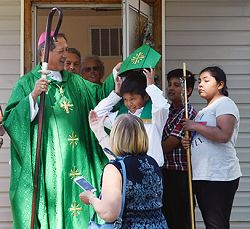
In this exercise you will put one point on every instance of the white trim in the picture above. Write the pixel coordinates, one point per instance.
(34, 37)
(163, 48)
(125, 29)
(119, 40)
(110, 6)
(22, 40)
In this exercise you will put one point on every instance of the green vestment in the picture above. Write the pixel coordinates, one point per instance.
(146, 114)
(69, 149)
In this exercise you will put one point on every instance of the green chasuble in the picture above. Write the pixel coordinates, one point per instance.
(69, 149)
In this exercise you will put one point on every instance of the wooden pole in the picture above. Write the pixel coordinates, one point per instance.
(41, 108)
(188, 151)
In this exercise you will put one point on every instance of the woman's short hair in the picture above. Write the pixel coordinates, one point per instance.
(128, 136)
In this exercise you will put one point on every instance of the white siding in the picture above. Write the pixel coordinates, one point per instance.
(9, 73)
(216, 32)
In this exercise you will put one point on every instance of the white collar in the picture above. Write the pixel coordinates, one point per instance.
(137, 112)
(55, 75)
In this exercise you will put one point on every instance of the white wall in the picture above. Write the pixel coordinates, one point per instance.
(216, 32)
(9, 73)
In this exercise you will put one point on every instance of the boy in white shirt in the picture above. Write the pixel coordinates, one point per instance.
(141, 98)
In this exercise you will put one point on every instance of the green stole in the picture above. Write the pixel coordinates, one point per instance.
(146, 114)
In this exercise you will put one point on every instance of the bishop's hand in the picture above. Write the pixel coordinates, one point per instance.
(40, 86)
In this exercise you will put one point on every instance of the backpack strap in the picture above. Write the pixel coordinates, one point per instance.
(124, 181)
(108, 151)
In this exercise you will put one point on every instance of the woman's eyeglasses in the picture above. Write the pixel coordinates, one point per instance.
(94, 68)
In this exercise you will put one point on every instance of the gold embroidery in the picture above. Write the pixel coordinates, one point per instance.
(75, 209)
(74, 173)
(137, 58)
(61, 90)
(67, 106)
(73, 139)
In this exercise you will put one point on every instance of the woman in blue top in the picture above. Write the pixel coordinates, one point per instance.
(143, 199)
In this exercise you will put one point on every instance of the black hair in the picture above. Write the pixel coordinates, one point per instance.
(178, 73)
(74, 51)
(219, 76)
(135, 82)
(52, 43)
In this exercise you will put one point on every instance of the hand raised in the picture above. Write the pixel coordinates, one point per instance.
(96, 122)
(150, 75)
(118, 66)
(118, 83)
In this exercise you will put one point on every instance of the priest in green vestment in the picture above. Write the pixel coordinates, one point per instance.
(69, 148)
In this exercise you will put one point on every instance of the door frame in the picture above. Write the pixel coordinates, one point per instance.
(27, 25)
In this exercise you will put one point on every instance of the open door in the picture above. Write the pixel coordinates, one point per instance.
(130, 11)
(93, 29)
(143, 22)
(136, 24)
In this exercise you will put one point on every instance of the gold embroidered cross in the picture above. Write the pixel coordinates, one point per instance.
(61, 90)
(73, 139)
(137, 58)
(75, 209)
(74, 173)
(67, 106)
